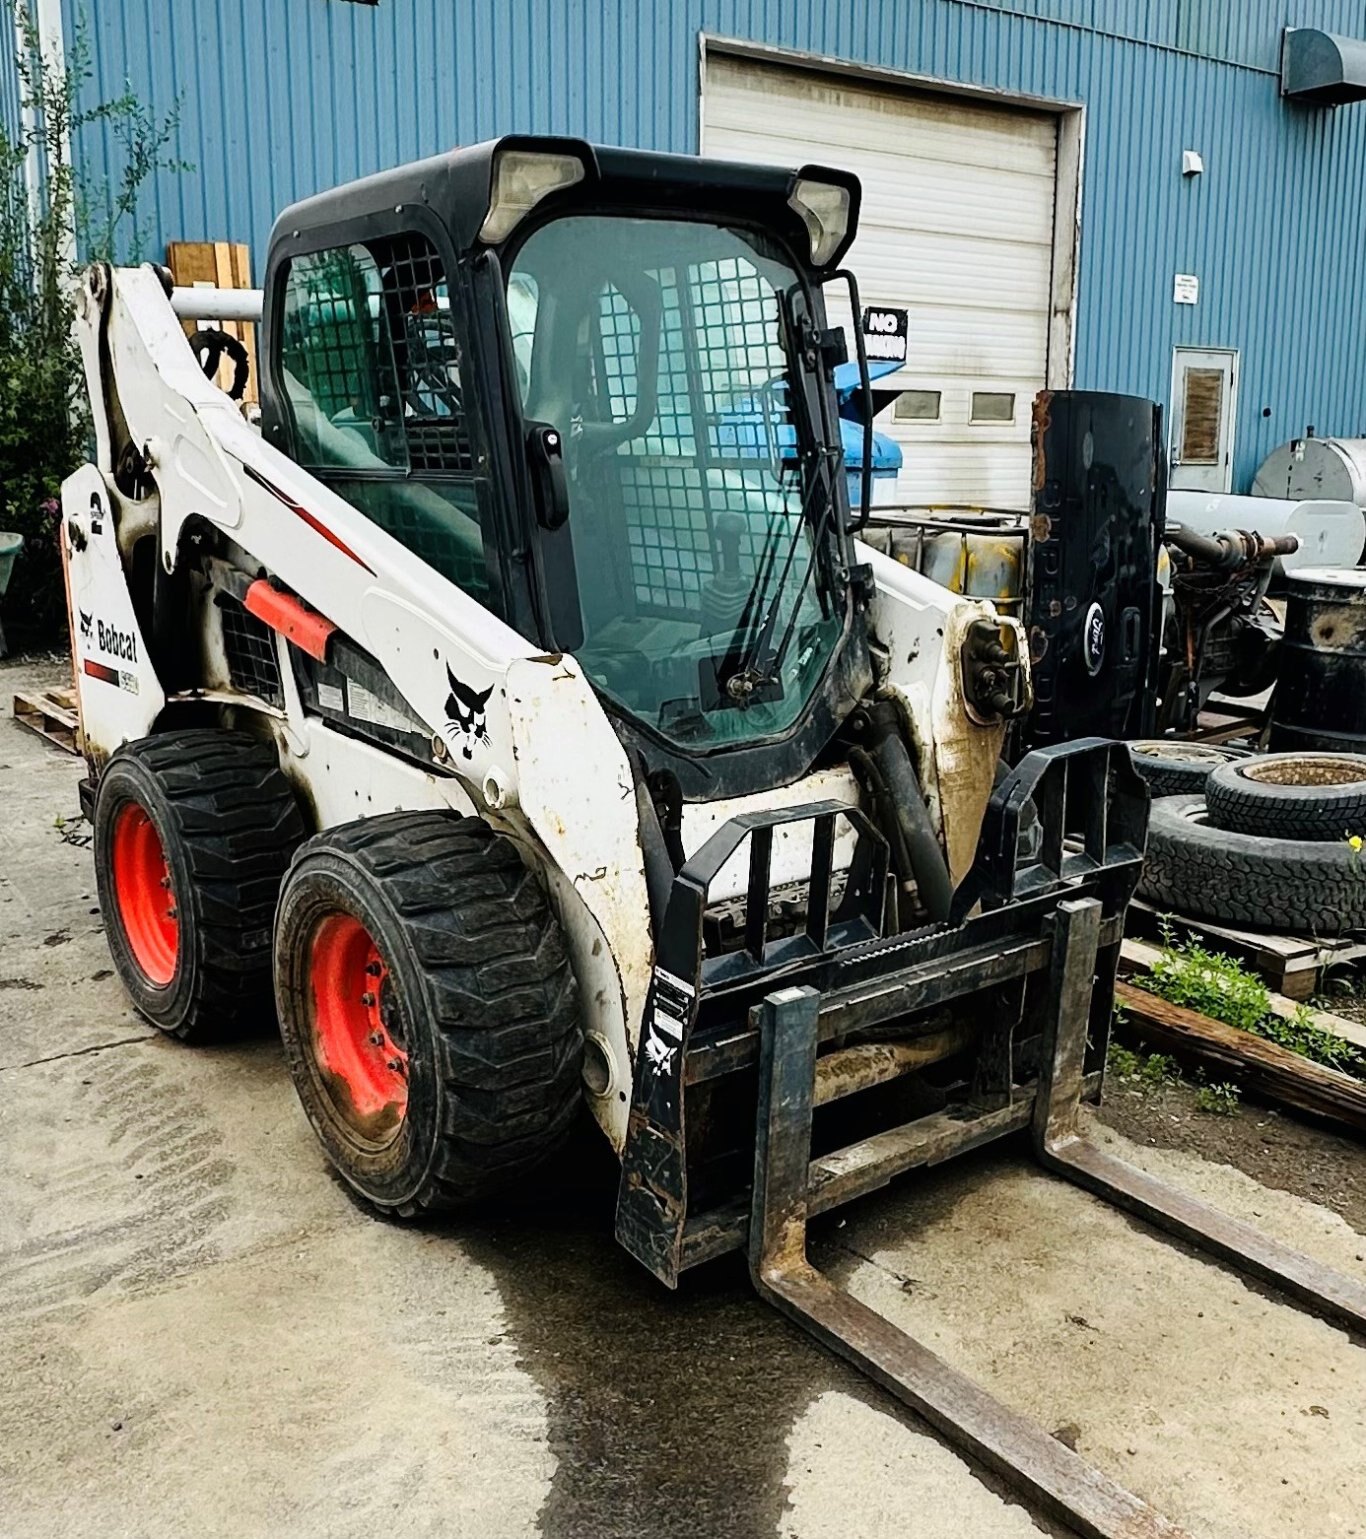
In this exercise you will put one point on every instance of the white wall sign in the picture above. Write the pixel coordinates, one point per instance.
(1186, 289)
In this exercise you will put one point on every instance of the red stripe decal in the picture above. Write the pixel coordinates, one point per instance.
(311, 519)
(100, 671)
(284, 613)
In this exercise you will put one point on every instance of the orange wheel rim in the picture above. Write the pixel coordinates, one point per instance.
(144, 895)
(364, 1068)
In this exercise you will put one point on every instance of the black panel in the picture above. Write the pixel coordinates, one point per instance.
(1094, 607)
(352, 691)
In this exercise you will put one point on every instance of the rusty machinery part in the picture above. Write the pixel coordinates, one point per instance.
(1231, 548)
(193, 831)
(1221, 635)
(1174, 767)
(1289, 885)
(428, 1010)
(1320, 700)
(210, 346)
(995, 682)
(1291, 796)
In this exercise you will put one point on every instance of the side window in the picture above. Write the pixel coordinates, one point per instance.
(370, 360)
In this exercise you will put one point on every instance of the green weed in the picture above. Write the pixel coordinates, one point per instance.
(1189, 974)
(1220, 1100)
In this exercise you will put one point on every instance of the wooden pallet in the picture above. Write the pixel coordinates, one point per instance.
(51, 713)
(1292, 965)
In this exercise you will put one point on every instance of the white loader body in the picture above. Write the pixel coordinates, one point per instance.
(538, 758)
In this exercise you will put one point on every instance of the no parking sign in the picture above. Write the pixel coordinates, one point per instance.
(885, 332)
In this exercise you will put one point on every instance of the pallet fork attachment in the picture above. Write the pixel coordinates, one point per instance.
(1040, 933)
(1060, 1482)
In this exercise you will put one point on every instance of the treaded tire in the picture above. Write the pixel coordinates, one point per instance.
(476, 996)
(1175, 768)
(1245, 879)
(226, 822)
(1313, 796)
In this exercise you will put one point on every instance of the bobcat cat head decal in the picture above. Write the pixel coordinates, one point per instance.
(465, 712)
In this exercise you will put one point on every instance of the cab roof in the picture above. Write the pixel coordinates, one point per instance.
(456, 187)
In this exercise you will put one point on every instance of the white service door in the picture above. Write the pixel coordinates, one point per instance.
(956, 227)
(1200, 442)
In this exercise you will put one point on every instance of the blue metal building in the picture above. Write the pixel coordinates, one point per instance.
(279, 98)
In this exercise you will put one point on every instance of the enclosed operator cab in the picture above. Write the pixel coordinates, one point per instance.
(591, 387)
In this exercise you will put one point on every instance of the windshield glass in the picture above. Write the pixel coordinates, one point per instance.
(656, 347)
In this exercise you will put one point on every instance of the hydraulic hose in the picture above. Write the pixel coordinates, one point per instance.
(659, 869)
(887, 769)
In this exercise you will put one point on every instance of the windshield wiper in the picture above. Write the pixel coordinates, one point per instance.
(755, 667)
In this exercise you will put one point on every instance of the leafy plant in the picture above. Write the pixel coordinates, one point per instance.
(1221, 1100)
(1121, 1064)
(1159, 1069)
(1144, 1073)
(51, 219)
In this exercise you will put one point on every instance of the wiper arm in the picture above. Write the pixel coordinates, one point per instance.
(755, 668)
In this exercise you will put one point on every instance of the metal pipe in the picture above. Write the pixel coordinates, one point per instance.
(851, 1069)
(1232, 548)
(215, 304)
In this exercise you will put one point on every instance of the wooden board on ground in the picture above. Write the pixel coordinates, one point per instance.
(223, 265)
(1264, 1067)
(1293, 965)
(1136, 956)
(51, 714)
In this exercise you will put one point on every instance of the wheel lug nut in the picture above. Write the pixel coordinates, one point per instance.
(172, 913)
(374, 969)
(376, 1039)
(367, 998)
(394, 1065)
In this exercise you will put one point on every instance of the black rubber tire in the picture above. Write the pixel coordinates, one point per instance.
(1192, 867)
(1291, 796)
(483, 1003)
(1175, 768)
(228, 823)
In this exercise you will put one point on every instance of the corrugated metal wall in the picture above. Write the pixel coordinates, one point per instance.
(10, 90)
(280, 98)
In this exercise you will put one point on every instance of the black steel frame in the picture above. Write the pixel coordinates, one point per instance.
(779, 1012)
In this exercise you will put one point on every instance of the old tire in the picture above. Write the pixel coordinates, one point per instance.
(428, 1009)
(1174, 768)
(1314, 796)
(193, 833)
(1192, 867)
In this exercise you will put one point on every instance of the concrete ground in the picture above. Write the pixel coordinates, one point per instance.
(201, 1334)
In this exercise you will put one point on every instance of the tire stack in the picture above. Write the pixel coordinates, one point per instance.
(1271, 841)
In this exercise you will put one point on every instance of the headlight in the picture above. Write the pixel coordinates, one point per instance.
(521, 178)
(825, 208)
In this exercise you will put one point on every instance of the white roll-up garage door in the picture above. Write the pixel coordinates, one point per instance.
(957, 227)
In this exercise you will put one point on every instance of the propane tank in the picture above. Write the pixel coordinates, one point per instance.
(1308, 468)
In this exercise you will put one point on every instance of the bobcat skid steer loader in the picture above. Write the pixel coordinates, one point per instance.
(514, 709)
